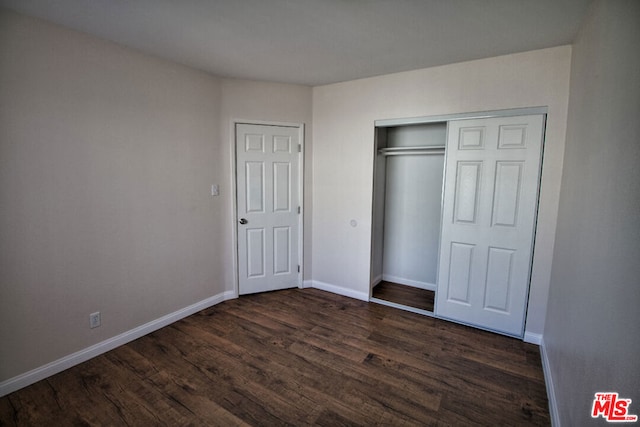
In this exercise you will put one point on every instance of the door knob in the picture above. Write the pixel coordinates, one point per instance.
(243, 221)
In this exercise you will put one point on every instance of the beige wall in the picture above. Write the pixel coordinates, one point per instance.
(343, 119)
(107, 157)
(591, 334)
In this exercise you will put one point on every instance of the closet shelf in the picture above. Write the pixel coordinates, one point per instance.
(405, 151)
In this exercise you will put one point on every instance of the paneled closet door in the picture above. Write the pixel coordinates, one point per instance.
(489, 212)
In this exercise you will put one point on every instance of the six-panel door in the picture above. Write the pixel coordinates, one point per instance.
(489, 211)
(267, 167)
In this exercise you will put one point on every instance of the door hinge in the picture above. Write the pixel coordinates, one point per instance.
(299, 148)
(298, 269)
(298, 210)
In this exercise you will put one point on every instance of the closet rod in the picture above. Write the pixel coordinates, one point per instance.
(400, 151)
(417, 153)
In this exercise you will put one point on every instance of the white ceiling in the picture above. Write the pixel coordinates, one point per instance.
(316, 42)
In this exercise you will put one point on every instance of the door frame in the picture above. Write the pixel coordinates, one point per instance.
(234, 192)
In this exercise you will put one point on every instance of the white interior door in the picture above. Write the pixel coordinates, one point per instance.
(489, 211)
(268, 161)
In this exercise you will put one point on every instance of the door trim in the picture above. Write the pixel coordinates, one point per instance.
(461, 116)
(234, 192)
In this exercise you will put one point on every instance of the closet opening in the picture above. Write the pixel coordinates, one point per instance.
(453, 233)
(408, 188)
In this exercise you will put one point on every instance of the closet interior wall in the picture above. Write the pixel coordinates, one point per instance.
(407, 204)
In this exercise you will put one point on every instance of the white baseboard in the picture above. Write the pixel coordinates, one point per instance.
(307, 284)
(548, 381)
(532, 338)
(363, 296)
(52, 368)
(408, 282)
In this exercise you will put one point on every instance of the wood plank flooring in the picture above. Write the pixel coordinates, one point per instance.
(404, 295)
(296, 357)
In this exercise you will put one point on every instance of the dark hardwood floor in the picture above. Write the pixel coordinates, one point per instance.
(405, 295)
(296, 357)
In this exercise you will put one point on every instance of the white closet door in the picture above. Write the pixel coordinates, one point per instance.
(489, 211)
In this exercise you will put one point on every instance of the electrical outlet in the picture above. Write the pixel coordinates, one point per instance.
(94, 320)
